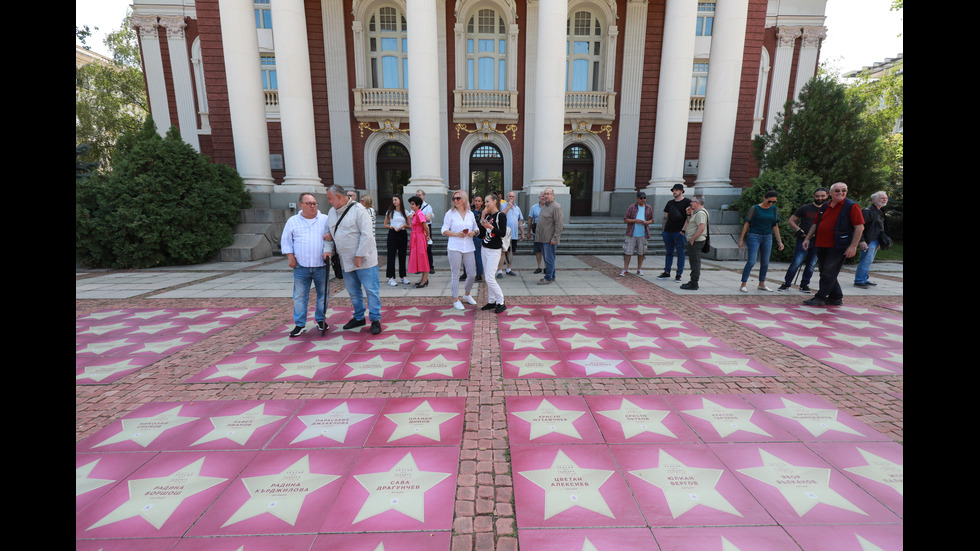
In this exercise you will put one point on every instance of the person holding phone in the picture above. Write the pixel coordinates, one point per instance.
(459, 225)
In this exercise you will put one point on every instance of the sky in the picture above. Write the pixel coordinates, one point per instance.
(859, 32)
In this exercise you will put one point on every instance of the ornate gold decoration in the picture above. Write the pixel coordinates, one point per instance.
(582, 129)
(486, 130)
(387, 126)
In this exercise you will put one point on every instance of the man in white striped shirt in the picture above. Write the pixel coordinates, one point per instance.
(302, 243)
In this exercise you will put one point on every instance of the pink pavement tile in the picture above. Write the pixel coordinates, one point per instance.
(692, 339)
(437, 364)
(239, 543)
(598, 363)
(416, 314)
(97, 473)
(445, 341)
(551, 420)
(664, 363)
(234, 425)
(559, 310)
(856, 537)
(370, 366)
(153, 426)
(637, 339)
(600, 539)
(435, 421)
(570, 486)
(375, 541)
(387, 341)
(576, 340)
(727, 418)
(796, 486)
(878, 467)
(861, 362)
(800, 339)
(686, 485)
(279, 492)
(638, 419)
(119, 346)
(164, 497)
(571, 323)
(335, 343)
(533, 365)
(329, 423)
(94, 370)
(144, 544)
(724, 538)
(729, 363)
(237, 368)
(397, 489)
(303, 367)
(441, 324)
(521, 323)
(812, 419)
(524, 340)
(278, 341)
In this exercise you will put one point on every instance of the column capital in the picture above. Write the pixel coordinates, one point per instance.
(786, 35)
(146, 25)
(175, 25)
(813, 35)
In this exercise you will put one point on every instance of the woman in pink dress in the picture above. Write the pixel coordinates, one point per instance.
(418, 259)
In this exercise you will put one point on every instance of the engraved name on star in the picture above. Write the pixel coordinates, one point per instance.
(444, 342)
(306, 368)
(281, 494)
(103, 329)
(686, 487)
(389, 342)
(333, 424)
(525, 340)
(567, 485)
(374, 367)
(421, 421)
(546, 419)
(144, 430)
(439, 365)
(400, 489)
(102, 372)
(238, 370)
(238, 428)
(661, 364)
(156, 499)
(815, 420)
(728, 365)
(726, 420)
(533, 364)
(84, 482)
(636, 420)
(597, 364)
(579, 340)
(880, 470)
(859, 364)
(802, 487)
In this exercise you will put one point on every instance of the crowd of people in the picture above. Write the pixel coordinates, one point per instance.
(483, 234)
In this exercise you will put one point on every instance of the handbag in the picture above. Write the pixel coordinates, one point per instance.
(706, 248)
(506, 240)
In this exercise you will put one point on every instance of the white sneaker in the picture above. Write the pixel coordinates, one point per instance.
(764, 287)
(470, 299)
(639, 272)
(622, 273)
(743, 289)
(392, 282)
(405, 280)
(458, 305)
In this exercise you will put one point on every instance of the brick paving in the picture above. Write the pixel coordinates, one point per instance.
(484, 516)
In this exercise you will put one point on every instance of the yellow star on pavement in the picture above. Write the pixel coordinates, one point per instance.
(237, 370)
(389, 342)
(728, 365)
(421, 421)
(861, 364)
(100, 348)
(565, 324)
(281, 494)
(156, 328)
(83, 483)
(579, 340)
(816, 421)
(333, 424)
(614, 324)
(567, 485)
(400, 489)
(103, 329)
(634, 340)
(514, 324)
(306, 368)
(686, 487)
(662, 364)
(238, 428)
(374, 367)
(726, 420)
(635, 420)
(881, 470)
(533, 364)
(156, 499)
(143, 430)
(596, 364)
(439, 365)
(444, 342)
(102, 372)
(560, 311)
(546, 419)
(162, 346)
(525, 340)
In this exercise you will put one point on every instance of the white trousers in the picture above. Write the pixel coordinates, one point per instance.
(490, 259)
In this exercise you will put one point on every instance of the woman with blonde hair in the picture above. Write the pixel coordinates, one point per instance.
(459, 225)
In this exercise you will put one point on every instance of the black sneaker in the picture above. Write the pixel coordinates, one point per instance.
(489, 306)
(508, 272)
(815, 301)
(690, 286)
(375, 327)
(665, 275)
(805, 289)
(538, 271)
(861, 285)
(297, 330)
(678, 278)
(783, 287)
(322, 325)
(354, 323)
(500, 308)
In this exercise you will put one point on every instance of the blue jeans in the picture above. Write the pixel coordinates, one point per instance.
(302, 277)
(674, 242)
(760, 246)
(548, 253)
(864, 264)
(478, 243)
(806, 258)
(368, 279)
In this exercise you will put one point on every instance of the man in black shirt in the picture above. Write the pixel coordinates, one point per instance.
(675, 218)
(801, 220)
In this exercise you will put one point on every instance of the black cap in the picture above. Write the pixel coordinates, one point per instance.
(678, 186)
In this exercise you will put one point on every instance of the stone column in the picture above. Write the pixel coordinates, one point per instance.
(180, 69)
(549, 101)
(782, 66)
(806, 66)
(341, 147)
(634, 40)
(423, 104)
(295, 97)
(721, 96)
(246, 101)
(156, 85)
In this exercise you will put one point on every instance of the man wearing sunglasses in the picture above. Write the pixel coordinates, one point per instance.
(836, 234)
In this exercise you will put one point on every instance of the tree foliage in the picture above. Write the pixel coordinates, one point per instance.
(163, 203)
(110, 97)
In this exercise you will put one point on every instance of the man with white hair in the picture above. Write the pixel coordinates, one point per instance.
(551, 222)
(874, 226)
(835, 233)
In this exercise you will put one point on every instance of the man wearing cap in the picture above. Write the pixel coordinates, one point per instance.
(675, 217)
(638, 218)
(695, 234)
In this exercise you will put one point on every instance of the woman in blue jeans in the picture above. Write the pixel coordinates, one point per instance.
(761, 223)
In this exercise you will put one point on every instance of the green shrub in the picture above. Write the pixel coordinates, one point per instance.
(795, 187)
(163, 203)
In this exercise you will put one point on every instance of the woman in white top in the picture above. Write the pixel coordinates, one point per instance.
(397, 221)
(459, 225)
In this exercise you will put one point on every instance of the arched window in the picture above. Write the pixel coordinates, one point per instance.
(387, 32)
(394, 166)
(583, 68)
(486, 170)
(486, 51)
(577, 168)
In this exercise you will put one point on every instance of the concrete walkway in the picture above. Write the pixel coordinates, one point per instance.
(600, 412)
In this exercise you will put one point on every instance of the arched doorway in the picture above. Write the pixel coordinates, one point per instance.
(577, 174)
(394, 170)
(486, 170)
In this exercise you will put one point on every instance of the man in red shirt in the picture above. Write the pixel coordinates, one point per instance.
(835, 240)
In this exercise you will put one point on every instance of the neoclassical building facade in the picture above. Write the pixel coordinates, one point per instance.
(594, 98)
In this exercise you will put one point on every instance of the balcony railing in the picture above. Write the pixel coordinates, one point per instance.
(473, 105)
(380, 102)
